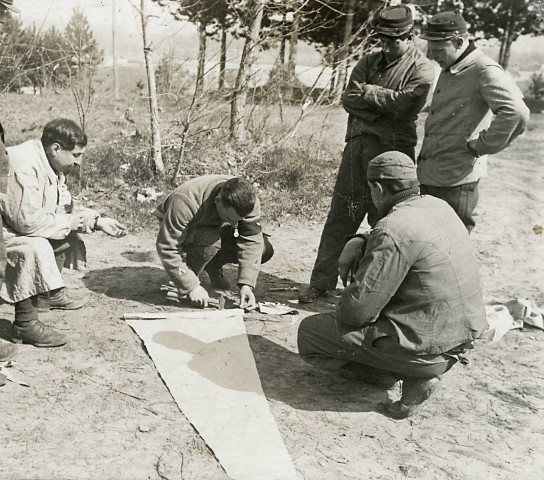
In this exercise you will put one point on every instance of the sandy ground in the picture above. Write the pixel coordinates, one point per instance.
(97, 409)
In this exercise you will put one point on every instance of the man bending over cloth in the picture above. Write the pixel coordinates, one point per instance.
(414, 304)
(41, 225)
(205, 223)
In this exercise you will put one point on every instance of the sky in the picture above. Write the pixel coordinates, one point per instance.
(165, 32)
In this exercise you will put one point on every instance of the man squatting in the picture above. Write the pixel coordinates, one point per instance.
(205, 223)
(415, 303)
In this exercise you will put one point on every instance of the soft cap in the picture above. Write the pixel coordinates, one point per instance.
(444, 26)
(391, 166)
(394, 21)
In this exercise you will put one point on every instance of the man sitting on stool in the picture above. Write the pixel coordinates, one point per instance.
(40, 229)
(414, 304)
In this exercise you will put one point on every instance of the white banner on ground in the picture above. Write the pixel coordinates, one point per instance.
(205, 360)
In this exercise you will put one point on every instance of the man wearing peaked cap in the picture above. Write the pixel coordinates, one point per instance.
(414, 304)
(386, 91)
(458, 133)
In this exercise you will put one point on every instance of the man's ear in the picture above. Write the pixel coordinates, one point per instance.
(55, 147)
(378, 186)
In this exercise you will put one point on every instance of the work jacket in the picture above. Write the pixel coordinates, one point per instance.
(393, 96)
(37, 200)
(418, 282)
(192, 206)
(466, 96)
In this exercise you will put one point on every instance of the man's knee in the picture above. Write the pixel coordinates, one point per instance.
(268, 249)
(310, 331)
(26, 247)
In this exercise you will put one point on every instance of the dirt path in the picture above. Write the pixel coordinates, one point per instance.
(97, 408)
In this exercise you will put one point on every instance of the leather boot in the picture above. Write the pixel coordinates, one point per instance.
(415, 391)
(308, 294)
(60, 300)
(7, 350)
(36, 333)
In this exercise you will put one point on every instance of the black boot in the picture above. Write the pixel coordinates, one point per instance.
(28, 329)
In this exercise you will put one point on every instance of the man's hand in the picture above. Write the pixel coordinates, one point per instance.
(199, 297)
(350, 258)
(111, 227)
(471, 144)
(247, 298)
(76, 221)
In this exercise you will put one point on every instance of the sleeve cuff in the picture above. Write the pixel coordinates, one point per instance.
(247, 276)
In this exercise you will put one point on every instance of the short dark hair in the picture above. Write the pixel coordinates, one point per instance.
(239, 194)
(392, 186)
(65, 132)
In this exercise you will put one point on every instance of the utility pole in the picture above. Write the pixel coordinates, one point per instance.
(114, 54)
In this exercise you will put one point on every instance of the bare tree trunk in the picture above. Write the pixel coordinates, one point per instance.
(201, 57)
(153, 104)
(242, 79)
(293, 44)
(344, 50)
(508, 38)
(282, 51)
(223, 55)
(114, 54)
(334, 74)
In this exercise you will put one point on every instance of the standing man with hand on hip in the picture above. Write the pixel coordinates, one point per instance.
(458, 134)
(386, 91)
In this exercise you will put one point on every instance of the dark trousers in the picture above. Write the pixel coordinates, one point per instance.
(351, 202)
(326, 343)
(208, 252)
(68, 251)
(462, 198)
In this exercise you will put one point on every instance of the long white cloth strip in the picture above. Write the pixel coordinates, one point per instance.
(205, 360)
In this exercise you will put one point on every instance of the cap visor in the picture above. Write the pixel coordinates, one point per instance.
(10, 7)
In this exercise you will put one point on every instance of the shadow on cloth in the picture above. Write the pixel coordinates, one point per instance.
(284, 376)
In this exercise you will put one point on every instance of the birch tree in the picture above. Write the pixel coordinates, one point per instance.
(152, 90)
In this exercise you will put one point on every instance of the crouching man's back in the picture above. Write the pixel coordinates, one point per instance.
(422, 276)
(414, 305)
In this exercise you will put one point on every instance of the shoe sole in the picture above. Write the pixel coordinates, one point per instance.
(39, 345)
(48, 309)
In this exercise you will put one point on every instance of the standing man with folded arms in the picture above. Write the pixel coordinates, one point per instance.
(458, 134)
(386, 91)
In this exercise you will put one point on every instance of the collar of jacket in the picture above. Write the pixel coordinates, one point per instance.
(466, 62)
(53, 177)
(397, 198)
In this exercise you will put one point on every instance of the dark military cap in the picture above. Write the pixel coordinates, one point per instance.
(444, 26)
(8, 4)
(394, 21)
